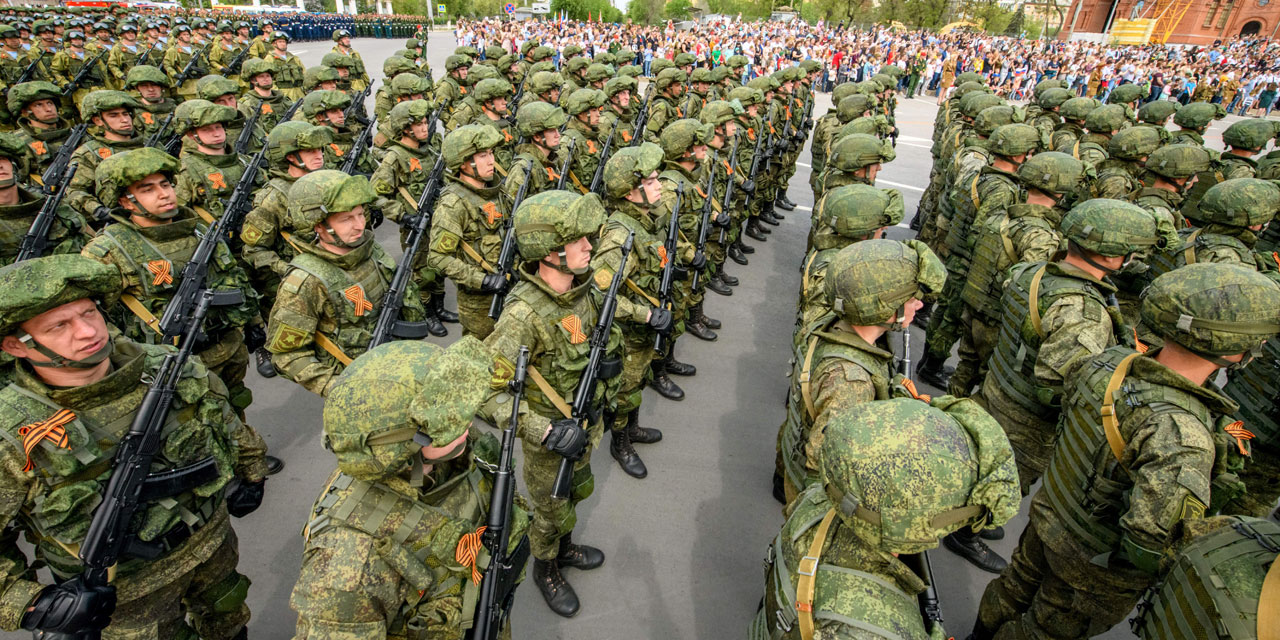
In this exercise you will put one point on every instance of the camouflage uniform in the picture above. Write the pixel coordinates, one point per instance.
(451, 89)
(82, 190)
(288, 70)
(1068, 134)
(825, 129)
(42, 144)
(68, 233)
(151, 115)
(663, 109)
(175, 59)
(615, 117)
(678, 139)
(588, 140)
(207, 180)
(1121, 173)
(531, 158)
(273, 106)
(485, 92)
(67, 63)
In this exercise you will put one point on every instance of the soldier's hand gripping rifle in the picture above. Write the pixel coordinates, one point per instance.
(130, 484)
(246, 136)
(568, 160)
(293, 108)
(59, 167)
(190, 67)
(507, 254)
(357, 111)
(597, 180)
(515, 99)
(498, 587)
(30, 70)
(161, 139)
(37, 238)
(704, 226)
(666, 284)
(359, 147)
(236, 63)
(642, 119)
(146, 57)
(755, 164)
(389, 324)
(728, 193)
(83, 73)
(586, 391)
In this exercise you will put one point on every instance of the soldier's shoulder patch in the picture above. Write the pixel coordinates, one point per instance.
(1192, 508)
(446, 242)
(603, 278)
(104, 152)
(38, 147)
(287, 338)
(382, 187)
(503, 371)
(250, 234)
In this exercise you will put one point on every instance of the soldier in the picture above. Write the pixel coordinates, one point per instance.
(12, 55)
(109, 115)
(1156, 114)
(320, 77)
(596, 75)
(1026, 231)
(1193, 120)
(871, 287)
(720, 115)
(634, 193)
(684, 147)
(574, 72)
(42, 51)
(1128, 96)
(584, 108)
(328, 109)
(1128, 472)
(669, 88)
(287, 68)
(225, 50)
(1121, 173)
(538, 124)
(177, 58)
(1169, 173)
(329, 300)
(542, 86)
(1047, 116)
(125, 53)
(453, 87)
(210, 168)
(490, 96)
(468, 107)
(856, 578)
(467, 226)
(68, 62)
(223, 91)
(415, 460)
(1073, 111)
(824, 130)
(619, 111)
(261, 45)
(260, 74)
(150, 85)
(82, 385)
(19, 206)
(1101, 124)
(1244, 140)
(40, 128)
(342, 44)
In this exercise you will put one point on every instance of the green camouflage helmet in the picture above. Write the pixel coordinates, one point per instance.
(632, 71)
(451, 63)
(193, 114)
(404, 85)
(718, 112)
(904, 473)
(685, 59)
(1054, 97)
(506, 61)
(842, 91)
(491, 52)
(599, 72)
(855, 211)
(1252, 134)
(466, 141)
(24, 94)
(396, 66)
(320, 194)
(682, 135)
(406, 113)
(321, 100)
(669, 77)
(701, 74)
(34, 286)
(886, 82)
(491, 89)
(480, 72)
(853, 107)
(1106, 119)
(867, 87)
(659, 65)
(541, 53)
(295, 135)
(965, 88)
(604, 57)
(859, 150)
(399, 397)
(1178, 160)
(145, 73)
(1052, 172)
(105, 100)
(1014, 139)
(13, 147)
(576, 65)
(1157, 112)
(737, 61)
(313, 76)
(535, 117)
(544, 223)
(627, 167)
(118, 172)
(544, 81)
(1110, 227)
(571, 51)
(255, 66)
(619, 84)
(527, 46)
(868, 282)
(544, 65)
(583, 100)
(1125, 94)
(212, 87)
(624, 54)
(1049, 83)
(1198, 115)
(1078, 108)
(467, 51)
(746, 96)
(1214, 309)
(969, 76)
(338, 60)
(1241, 202)
(991, 118)
(810, 65)
(1134, 143)
(720, 73)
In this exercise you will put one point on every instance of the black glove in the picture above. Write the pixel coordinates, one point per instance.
(246, 499)
(101, 214)
(255, 337)
(808, 123)
(748, 186)
(699, 260)
(71, 607)
(660, 320)
(566, 438)
(721, 220)
(376, 218)
(409, 221)
(493, 283)
(799, 137)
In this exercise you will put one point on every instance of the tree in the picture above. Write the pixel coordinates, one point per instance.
(1018, 23)
(676, 10)
(644, 11)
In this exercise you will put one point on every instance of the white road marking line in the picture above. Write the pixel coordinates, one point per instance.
(801, 164)
(880, 181)
(801, 207)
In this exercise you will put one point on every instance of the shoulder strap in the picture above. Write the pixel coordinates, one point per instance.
(804, 280)
(806, 387)
(1269, 605)
(204, 215)
(1110, 425)
(1033, 298)
(475, 255)
(1189, 252)
(636, 288)
(545, 387)
(808, 572)
(973, 192)
(332, 347)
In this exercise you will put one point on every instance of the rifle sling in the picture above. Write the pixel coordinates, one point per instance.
(497, 167)
(578, 183)
(333, 348)
(404, 193)
(808, 577)
(545, 387)
(205, 215)
(636, 288)
(475, 255)
(141, 311)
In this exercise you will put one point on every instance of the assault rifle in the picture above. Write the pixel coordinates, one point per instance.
(146, 57)
(705, 224)
(515, 99)
(642, 119)
(160, 139)
(357, 110)
(666, 285)
(755, 161)
(26, 74)
(237, 62)
(728, 190)
(359, 147)
(131, 483)
(507, 255)
(930, 608)
(597, 180)
(83, 73)
(190, 67)
(389, 323)
(568, 159)
(586, 391)
(37, 238)
(498, 587)
(246, 136)
(60, 166)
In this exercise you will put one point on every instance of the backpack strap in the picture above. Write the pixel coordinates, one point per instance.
(1033, 298)
(1189, 253)
(1269, 605)
(808, 572)
(1110, 424)
(806, 387)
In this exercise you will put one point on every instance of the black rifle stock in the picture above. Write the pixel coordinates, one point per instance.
(564, 167)
(507, 254)
(666, 285)
(237, 62)
(597, 180)
(59, 167)
(358, 147)
(83, 73)
(37, 238)
(642, 119)
(755, 164)
(246, 136)
(704, 225)
(586, 390)
(187, 69)
(728, 190)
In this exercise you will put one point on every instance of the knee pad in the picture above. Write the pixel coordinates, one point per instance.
(228, 594)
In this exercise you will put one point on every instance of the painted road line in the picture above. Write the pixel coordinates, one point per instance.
(880, 181)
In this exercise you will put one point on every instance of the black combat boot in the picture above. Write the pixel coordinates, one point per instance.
(638, 434)
(443, 314)
(727, 279)
(754, 229)
(675, 367)
(662, 382)
(622, 451)
(555, 589)
(432, 319)
(783, 202)
(696, 327)
(934, 371)
(274, 465)
(769, 217)
(578, 556)
(969, 545)
(264, 365)
(711, 323)
(736, 254)
(718, 286)
(745, 248)
(994, 533)
(779, 491)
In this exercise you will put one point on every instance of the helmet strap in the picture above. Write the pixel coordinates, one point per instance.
(142, 211)
(339, 242)
(57, 361)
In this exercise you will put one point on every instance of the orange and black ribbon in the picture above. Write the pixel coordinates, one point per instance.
(52, 429)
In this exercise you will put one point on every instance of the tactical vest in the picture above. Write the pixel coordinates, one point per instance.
(352, 327)
(1029, 293)
(1115, 180)
(1192, 240)
(1212, 586)
(969, 202)
(42, 144)
(1085, 484)
(871, 604)
(586, 154)
(649, 252)
(481, 221)
(992, 255)
(72, 477)
(818, 343)
(216, 176)
(1257, 389)
(813, 298)
(65, 235)
(690, 202)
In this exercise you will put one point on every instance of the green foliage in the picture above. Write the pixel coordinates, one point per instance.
(644, 11)
(750, 9)
(676, 10)
(1018, 23)
(988, 13)
(580, 9)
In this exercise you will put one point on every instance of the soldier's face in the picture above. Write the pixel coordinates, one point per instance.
(550, 138)
(622, 98)
(344, 41)
(102, 34)
(13, 42)
(336, 117)
(75, 330)
(730, 128)
(348, 226)
(420, 130)
(482, 164)
(280, 44)
(129, 35)
(211, 135)
(553, 96)
(264, 80)
(6, 169)
(909, 311)
(77, 43)
(154, 193)
(312, 159)
(700, 151)
(228, 100)
(343, 73)
(118, 120)
(184, 37)
(328, 85)
(461, 72)
(592, 116)
(650, 190)
(577, 254)
(42, 110)
(753, 110)
(243, 32)
(869, 172)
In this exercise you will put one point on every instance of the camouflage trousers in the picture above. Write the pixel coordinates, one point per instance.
(1046, 595)
(553, 519)
(207, 602)
(473, 314)
(637, 353)
(1262, 479)
(978, 336)
(229, 359)
(1032, 437)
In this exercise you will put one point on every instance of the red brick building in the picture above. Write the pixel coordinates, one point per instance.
(1202, 21)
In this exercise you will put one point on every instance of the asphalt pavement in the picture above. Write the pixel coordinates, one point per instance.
(684, 547)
